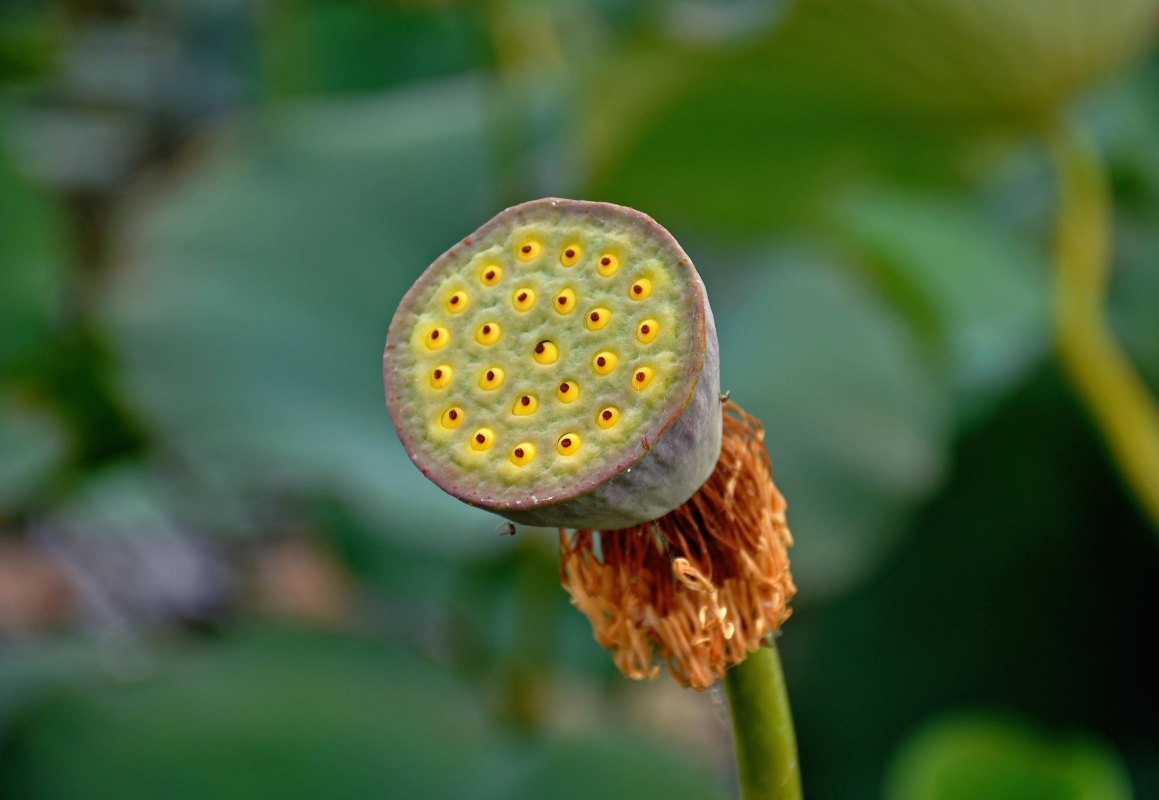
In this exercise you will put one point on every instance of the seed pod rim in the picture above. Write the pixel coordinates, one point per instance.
(670, 409)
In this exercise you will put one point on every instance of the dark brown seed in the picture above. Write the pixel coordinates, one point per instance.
(539, 348)
(438, 374)
(569, 253)
(526, 248)
(522, 296)
(491, 375)
(565, 442)
(486, 329)
(601, 361)
(605, 261)
(455, 300)
(640, 377)
(480, 438)
(563, 387)
(452, 414)
(607, 415)
(562, 301)
(645, 328)
(519, 452)
(525, 400)
(434, 334)
(490, 275)
(594, 317)
(638, 289)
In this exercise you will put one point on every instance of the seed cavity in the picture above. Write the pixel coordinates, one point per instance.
(457, 302)
(522, 454)
(564, 302)
(438, 338)
(641, 378)
(491, 274)
(546, 352)
(525, 404)
(491, 378)
(523, 299)
(570, 255)
(608, 265)
(646, 331)
(640, 289)
(488, 333)
(568, 392)
(441, 376)
(452, 418)
(482, 439)
(604, 362)
(529, 250)
(607, 417)
(568, 444)
(597, 318)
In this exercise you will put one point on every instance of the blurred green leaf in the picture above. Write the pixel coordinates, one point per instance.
(254, 314)
(31, 445)
(31, 256)
(964, 757)
(754, 129)
(980, 291)
(857, 419)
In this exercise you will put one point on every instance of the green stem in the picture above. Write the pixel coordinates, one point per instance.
(766, 746)
(1104, 378)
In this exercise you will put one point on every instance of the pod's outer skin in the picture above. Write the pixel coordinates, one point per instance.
(673, 457)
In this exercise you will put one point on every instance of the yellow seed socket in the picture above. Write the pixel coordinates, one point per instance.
(570, 255)
(546, 352)
(491, 378)
(452, 417)
(597, 318)
(525, 404)
(490, 274)
(482, 439)
(568, 444)
(488, 333)
(438, 338)
(523, 299)
(529, 250)
(608, 265)
(641, 378)
(640, 289)
(441, 376)
(604, 362)
(568, 392)
(646, 331)
(607, 417)
(522, 454)
(457, 302)
(564, 302)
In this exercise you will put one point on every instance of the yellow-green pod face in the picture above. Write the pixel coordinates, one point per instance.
(523, 454)
(525, 405)
(545, 352)
(604, 362)
(567, 392)
(641, 289)
(490, 275)
(458, 301)
(441, 376)
(597, 318)
(568, 444)
(491, 378)
(488, 333)
(608, 265)
(530, 332)
(482, 439)
(647, 331)
(570, 255)
(564, 302)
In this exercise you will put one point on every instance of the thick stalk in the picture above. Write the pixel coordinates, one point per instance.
(1106, 381)
(766, 746)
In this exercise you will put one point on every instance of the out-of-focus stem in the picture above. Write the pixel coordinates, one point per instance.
(766, 745)
(1106, 381)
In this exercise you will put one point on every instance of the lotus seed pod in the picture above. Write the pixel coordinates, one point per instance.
(559, 366)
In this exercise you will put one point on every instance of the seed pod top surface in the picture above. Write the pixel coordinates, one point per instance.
(547, 353)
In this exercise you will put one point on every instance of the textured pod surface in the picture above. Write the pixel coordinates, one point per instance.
(559, 366)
